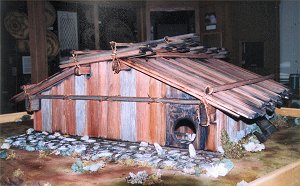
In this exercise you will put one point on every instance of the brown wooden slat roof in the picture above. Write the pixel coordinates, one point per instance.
(194, 75)
(180, 62)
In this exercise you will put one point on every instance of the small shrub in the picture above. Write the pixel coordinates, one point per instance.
(128, 162)
(11, 155)
(25, 117)
(18, 173)
(44, 154)
(231, 149)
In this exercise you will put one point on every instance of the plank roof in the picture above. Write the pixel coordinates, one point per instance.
(183, 63)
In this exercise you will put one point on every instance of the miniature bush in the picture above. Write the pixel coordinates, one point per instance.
(231, 149)
(18, 173)
(11, 155)
(25, 117)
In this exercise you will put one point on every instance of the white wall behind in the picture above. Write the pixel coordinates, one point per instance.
(289, 13)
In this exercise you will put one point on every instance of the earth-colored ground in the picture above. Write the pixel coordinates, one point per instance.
(281, 149)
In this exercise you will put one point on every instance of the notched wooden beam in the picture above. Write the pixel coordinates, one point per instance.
(86, 70)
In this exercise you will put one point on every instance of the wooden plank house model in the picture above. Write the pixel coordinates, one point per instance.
(170, 91)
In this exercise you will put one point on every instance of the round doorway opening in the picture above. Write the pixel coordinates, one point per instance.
(184, 130)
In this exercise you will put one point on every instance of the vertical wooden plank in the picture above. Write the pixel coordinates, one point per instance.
(113, 128)
(80, 106)
(69, 110)
(103, 106)
(211, 143)
(61, 116)
(128, 110)
(156, 109)
(143, 109)
(93, 106)
(38, 120)
(55, 109)
(46, 109)
(162, 125)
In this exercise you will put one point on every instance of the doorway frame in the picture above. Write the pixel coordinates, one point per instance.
(168, 6)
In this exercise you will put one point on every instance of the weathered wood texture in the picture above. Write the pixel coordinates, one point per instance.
(37, 41)
(120, 120)
(37, 124)
(80, 106)
(108, 119)
(236, 129)
(58, 119)
(46, 108)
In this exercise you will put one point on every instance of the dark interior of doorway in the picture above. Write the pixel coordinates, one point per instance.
(172, 23)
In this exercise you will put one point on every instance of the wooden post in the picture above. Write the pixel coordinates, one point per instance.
(96, 25)
(197, 19)
(140, 19)
(37, 40)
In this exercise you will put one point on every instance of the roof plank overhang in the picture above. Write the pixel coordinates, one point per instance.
(180, 62)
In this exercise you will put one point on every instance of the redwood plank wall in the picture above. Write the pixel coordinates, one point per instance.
(112, 120)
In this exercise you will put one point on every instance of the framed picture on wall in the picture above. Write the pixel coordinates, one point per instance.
(210, 21)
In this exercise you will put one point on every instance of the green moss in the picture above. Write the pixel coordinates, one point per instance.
(25, 117)
(231, 149)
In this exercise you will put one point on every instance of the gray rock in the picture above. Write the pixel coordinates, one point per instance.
(159, 149)
(169, 164)
(51, 137)
(94, 167)
(45, 133)
(79, 149)
(5, 146)
(173, 152)
(91, 141)
(138, 178)
(297, 121)
(3, 154)
(192, 151)
(77, 166)
(133, 147)
(84, 138)
(29, 131)
(96, 147)
(122, 145)
(142, 148)
(29, 148)
(125, 157)
(184, 157)
(105, 154)
(144, 144)
(10, 141)
(70, 139)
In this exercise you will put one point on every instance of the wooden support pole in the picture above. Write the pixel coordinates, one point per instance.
(37, 40)
(123, 99)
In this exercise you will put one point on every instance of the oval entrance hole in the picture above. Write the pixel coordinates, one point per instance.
(185, 130)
